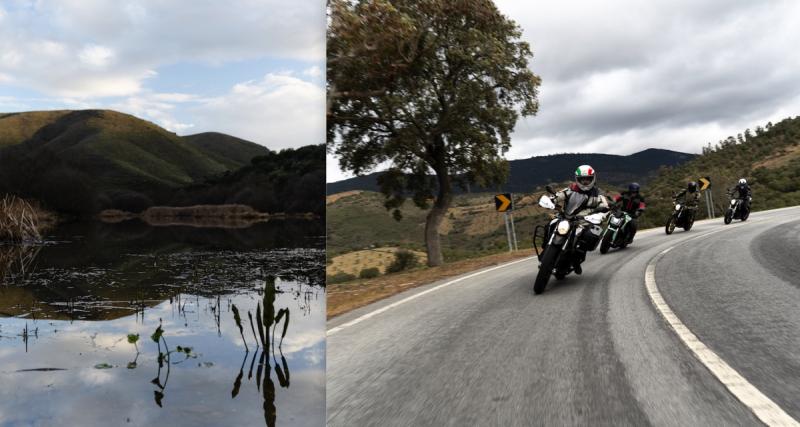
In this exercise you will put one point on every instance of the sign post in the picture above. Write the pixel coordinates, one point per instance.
(503, 203)
(705, 184)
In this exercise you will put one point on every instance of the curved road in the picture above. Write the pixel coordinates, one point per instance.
(593, 349)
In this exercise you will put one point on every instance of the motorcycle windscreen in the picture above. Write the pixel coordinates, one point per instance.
(576, 202)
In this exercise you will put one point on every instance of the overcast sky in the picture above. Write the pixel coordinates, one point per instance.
(622, 76)
(250, 68)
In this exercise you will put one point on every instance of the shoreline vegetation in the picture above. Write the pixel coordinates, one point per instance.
(201, 216)
(22, 220)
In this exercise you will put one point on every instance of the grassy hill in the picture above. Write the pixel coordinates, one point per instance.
(88, 160)
(768, 157)
(229, 150)
(527, 174)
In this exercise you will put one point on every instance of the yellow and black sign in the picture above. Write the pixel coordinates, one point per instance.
(502, 202)
(705, 183)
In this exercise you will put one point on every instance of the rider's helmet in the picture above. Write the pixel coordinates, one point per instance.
(691, 186)
(633, 187)
(584, 177)
(742, 181)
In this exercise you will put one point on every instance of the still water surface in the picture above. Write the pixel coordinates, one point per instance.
(68, 307)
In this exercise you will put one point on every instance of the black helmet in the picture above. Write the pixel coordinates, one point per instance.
(633, 187)
(691, 186)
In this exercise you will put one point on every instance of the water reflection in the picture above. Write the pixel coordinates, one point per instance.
(162, 331)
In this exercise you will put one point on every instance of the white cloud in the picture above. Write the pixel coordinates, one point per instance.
(278, 111)
(621, 76)
(62, 47)
(96, 55)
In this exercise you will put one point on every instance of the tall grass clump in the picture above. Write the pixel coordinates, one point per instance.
(21, 221)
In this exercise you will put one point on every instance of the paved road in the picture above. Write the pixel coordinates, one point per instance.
(592, 349)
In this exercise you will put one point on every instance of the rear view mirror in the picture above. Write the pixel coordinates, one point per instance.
(546, 202)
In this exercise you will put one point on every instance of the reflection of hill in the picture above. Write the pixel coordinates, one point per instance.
(102, 271)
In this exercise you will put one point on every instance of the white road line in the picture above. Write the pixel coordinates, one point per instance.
(415, 296)
(763, 408)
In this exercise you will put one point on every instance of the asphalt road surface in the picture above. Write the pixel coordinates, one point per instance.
(591, 350)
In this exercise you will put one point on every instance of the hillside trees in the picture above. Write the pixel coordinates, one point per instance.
(427, 87)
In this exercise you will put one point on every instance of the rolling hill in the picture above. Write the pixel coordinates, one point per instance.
(229, 150)
(88, 160)
(526, 174)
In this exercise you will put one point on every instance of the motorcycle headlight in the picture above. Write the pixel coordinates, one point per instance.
(733, 202)
(677, 207)
(563, 227)
(615, 220)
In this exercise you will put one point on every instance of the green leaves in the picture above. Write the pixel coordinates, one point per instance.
(133, 338)
(156, 336)
(103, 366)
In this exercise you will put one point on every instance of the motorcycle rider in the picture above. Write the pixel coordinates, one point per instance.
(742, 192)
(585, 179)
(632, 203)
(691, 197)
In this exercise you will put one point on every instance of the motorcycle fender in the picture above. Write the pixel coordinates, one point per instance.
(557, 239)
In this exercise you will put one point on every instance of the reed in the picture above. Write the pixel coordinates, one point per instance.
(22, 221)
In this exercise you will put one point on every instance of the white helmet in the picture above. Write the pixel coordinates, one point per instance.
(742, 181)
(584, 177)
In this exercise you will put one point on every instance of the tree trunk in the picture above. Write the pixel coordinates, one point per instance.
(435, 217)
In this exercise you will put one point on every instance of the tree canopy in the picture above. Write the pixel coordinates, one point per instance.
(432, 88)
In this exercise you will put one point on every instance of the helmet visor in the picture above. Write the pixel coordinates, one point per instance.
(585, 180)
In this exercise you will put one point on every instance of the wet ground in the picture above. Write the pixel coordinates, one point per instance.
(127, 324)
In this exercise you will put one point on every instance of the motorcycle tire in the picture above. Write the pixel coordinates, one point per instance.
(670, 227)
(546, 269)
(745, 216)
(728, 217)
(605, 245)
(688, 225)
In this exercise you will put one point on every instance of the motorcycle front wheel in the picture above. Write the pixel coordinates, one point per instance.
(689, 223)
(728, 217)
(546, 268)
(670, 227)
(605, 245)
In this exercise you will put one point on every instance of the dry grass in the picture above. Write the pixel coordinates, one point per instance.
(781, 158)
(334, 197)
(348, 296)
(354, 262)
(22, 221)
(201, 216)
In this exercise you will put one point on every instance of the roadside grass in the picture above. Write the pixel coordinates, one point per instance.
(344, 297)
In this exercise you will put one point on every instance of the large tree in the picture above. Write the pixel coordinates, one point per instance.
(431, 88)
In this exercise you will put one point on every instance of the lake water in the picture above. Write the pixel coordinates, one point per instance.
(67, 309)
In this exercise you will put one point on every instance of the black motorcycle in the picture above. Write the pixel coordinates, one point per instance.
(681, 216)
(565, 239)
(736, 210)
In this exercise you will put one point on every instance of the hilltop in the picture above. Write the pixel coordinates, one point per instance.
(81, 162)
(527, 174)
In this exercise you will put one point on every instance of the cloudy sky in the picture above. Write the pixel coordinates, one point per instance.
(619, 76)
(250, 68)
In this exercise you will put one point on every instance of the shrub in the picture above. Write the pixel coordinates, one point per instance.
(403, 260)
(340, 278)
(369, 273)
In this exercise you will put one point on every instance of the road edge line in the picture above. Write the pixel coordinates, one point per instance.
(757, 402)
(419, 294)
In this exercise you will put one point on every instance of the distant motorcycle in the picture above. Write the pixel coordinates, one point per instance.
(564, 237)
(616, 232)
(681, 217)
(736, 210)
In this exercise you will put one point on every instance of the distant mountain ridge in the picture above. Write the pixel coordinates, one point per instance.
(527, 174)
(93, 159)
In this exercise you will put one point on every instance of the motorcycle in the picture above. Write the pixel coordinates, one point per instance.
(566, 238)
(681, 217)
(736, 210)
(616, 232)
